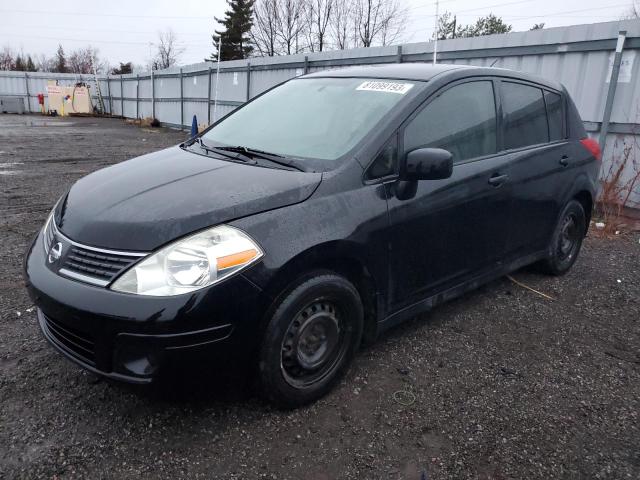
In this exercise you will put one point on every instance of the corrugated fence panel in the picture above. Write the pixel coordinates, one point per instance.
(131, 93)
(265, 79)
(579, 57)
(168, 111)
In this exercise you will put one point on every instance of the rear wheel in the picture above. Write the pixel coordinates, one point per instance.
(310, 339)
(566, 240)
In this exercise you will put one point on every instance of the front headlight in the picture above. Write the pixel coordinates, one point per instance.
(191, 263)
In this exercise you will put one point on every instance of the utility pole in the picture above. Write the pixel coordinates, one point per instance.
(215, 96)
(435, 43)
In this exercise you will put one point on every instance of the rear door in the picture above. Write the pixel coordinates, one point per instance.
(450, 230)
(535, 143)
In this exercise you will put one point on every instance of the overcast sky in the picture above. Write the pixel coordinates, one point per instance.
(124, 30)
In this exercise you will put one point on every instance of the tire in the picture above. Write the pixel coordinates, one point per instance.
(566, 240)
(310, 339)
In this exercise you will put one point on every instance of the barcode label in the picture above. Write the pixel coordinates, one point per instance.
(389, 87)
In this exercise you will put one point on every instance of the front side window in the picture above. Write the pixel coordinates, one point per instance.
(313, 118)
(525, 117)
(461, 120)
(385, 162)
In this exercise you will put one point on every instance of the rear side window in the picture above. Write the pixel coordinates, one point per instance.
(554, 113)
(461, 120)
(524, 114)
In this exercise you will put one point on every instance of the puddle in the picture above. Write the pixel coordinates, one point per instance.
(39, 124)
(9, 165)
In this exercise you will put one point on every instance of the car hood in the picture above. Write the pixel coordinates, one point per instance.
(150, 200)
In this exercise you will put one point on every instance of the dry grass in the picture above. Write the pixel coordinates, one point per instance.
(617, 185)
(144, 122)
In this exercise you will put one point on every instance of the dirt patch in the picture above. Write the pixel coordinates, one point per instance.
(502, 383)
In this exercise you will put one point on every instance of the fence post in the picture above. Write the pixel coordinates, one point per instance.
(181, 100)
(121, 97)
(248, 81)
(26, 83)
(306, 64)
(153, 96)
(138, 96)
(399, 54)
(611, 93)
(209, 95)
(109, 92)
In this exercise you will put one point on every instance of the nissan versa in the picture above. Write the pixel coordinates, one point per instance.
(312, 218)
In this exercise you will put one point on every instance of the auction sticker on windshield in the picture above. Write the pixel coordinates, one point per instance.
(390, 87)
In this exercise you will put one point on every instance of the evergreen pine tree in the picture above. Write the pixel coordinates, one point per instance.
(60, 61)
(31, 67)
(236, 24)
(19, 66)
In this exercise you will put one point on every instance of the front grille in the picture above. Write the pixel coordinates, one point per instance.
(93, 265)
(71, 340)
(100, 265)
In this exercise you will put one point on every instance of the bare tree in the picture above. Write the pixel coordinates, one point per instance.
(391, 25)
(633, 12)
(264, 31)
(278, 27)
(318, 14)
(7, 58)
(378, 21)
(168, 52)
(341, 24)
(283, 27)
(81, 60)
(289, 25)
(43, 64)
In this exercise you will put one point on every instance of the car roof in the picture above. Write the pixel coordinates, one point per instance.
(404, 71)
(426, 71)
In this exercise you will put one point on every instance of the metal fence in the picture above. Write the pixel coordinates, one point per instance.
(583, 57)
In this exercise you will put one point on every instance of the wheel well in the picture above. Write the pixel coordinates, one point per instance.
(586, 201)
(349, 267)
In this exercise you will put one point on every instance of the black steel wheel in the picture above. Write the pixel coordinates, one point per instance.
(310, 339)
(314, 342)
(566, 240)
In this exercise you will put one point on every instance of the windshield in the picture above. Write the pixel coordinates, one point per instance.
(317, 118)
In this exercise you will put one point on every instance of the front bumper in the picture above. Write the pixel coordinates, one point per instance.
(134, 338)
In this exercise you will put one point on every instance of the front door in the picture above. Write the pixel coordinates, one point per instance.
(452, 229)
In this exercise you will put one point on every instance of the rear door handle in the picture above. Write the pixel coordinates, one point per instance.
(497, 179)
(564, 160)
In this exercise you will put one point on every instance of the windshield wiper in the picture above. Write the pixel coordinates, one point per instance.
(224, 152)
(255, 153)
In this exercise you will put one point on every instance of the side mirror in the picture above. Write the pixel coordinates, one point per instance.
(427, 164)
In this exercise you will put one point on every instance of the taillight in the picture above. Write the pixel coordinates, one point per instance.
(593, 147)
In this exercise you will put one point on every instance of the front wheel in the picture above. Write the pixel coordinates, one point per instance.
(566, 240)
(310, 339)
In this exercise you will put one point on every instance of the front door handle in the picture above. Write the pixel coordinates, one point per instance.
(497, 179)
(564, 160)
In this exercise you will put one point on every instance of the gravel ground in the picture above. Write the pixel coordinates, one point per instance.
(501, 383)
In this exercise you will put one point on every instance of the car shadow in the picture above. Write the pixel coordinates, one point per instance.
(204, 387)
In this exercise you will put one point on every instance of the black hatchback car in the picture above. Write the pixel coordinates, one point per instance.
(312, 218)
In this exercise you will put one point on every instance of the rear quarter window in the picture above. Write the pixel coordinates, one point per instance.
(525, 116)
(553, 102)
